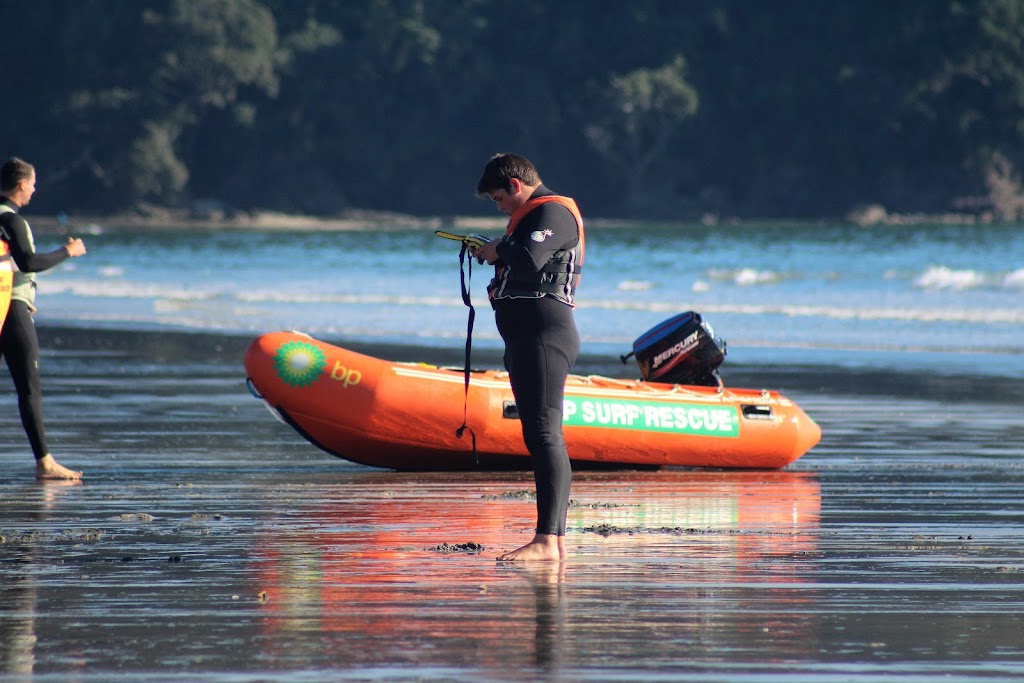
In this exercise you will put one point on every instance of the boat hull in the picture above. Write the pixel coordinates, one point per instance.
(406, 416)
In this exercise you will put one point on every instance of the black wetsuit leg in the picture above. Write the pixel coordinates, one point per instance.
(19, 346)
(541, 344)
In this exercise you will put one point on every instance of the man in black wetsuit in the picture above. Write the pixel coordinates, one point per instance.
(537, 266)
(19, 344)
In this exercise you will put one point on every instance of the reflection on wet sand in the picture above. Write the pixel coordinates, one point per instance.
(380, 562)
(17, 625)
(18, 586)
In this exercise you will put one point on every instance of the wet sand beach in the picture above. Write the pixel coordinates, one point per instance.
(209, 542)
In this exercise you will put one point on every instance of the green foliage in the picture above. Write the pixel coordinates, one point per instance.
(210, 49)
(651, 107)
(156, 170)
(642, 110)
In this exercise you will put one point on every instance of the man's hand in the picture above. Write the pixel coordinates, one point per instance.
(486, 252)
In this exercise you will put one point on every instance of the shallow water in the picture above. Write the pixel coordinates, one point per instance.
(211, 543)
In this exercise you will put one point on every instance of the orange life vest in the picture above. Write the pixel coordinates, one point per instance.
(559, 277)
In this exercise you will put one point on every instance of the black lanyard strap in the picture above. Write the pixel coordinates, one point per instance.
(465, 276)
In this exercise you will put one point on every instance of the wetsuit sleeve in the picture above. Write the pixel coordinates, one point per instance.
(15, 232)
(545, 230)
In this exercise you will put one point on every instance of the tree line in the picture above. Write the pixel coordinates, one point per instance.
(647, 108)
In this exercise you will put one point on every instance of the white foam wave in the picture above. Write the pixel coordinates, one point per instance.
(969, 315)
(352, 299)
(170, 297)
(945, 278)
(745, 277)
(942, 277)
(171, 293)
(634, 286)
(1014, 280)
(127, 290)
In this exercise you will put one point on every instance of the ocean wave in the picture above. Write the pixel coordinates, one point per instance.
(942, 277)
(934, 277)
(745, 276)
(945, 278)
(1014, 280)
(178, 298)
(968, 315)
(172, 295)
(634, 285)
(354, 299)
(128, 290)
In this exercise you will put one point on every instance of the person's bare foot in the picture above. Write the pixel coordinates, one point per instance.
(543, 548)
(49, 469)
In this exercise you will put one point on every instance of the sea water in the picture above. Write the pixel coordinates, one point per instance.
(931, 295)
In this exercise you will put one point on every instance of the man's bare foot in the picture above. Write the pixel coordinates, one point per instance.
(543, 548)
(49, 469)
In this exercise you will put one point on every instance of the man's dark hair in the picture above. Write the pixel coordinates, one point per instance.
(13, 172)
(504, 167)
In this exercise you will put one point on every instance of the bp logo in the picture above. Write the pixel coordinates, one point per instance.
(299, 363)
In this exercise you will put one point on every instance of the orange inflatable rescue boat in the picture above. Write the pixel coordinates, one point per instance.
(405, 416)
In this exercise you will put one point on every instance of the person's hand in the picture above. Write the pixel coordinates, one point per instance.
(487, 252)
(75, 246)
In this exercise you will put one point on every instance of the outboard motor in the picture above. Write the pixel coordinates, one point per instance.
(680, 350)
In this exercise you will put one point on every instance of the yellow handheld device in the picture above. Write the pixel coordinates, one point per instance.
(474, 241)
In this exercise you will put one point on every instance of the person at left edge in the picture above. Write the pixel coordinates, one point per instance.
(19, 344)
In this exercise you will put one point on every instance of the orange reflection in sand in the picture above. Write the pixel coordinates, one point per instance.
(371, 562)
(739, 518)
